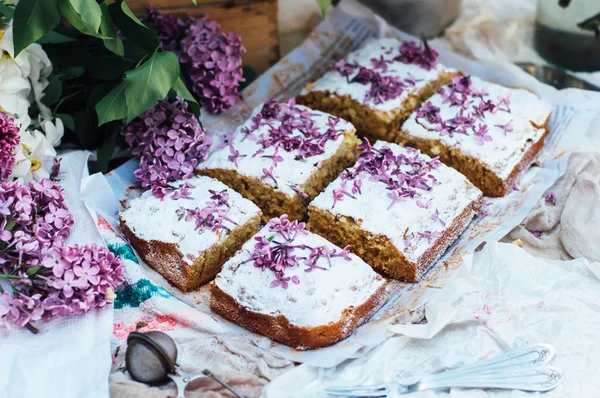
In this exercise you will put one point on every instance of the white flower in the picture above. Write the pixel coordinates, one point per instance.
(33, 158)
(54, 132)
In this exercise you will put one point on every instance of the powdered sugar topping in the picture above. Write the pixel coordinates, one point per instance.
(193, 224)
(319, 297)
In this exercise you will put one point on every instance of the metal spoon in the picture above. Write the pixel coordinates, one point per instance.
(556, 77)
(151, 358)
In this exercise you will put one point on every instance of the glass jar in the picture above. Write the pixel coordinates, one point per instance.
(567, 33)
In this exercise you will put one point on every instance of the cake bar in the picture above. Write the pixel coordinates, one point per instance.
(397, 209)
(488, 132)
(377, 86)
(296, 287)
(188, 235)
(283, 156)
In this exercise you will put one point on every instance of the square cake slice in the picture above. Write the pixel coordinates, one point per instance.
(399, 210)
(189, 233)
(283, 156)
(377, 86)
(296, 287)
(488, 132)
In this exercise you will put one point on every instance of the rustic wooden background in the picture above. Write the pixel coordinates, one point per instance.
(254, 20)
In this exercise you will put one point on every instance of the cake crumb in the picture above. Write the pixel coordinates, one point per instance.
(518, 242)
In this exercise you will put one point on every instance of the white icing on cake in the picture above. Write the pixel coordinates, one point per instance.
(318, 299)
(505, 151)
(290, 171)
(449, 197)
(389, 48)
(150, 218)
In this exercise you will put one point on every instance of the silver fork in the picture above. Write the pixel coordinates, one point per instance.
(519, 369)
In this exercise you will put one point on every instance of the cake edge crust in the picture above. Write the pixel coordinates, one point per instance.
(168, 260)
(278, 328)
(371, 123)
(406, 271)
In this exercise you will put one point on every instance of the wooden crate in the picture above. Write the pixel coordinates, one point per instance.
(254, 20)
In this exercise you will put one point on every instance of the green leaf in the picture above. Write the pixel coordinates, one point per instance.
(53, 91)
(10, 225)
(33, 19)
(324, 6)
(7, 10)
(112, 41)
(106, 65)
(67, 120)
(195, 3)
(106, 151)
(84, 15)
(33, 270)
(180, 90)
(132, 27)
(55, 38)
(113, 106)
(150, 82)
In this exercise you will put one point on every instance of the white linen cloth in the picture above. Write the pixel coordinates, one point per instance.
(69, 357)
(504, 298)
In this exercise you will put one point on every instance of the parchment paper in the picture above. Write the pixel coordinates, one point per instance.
(344, 30)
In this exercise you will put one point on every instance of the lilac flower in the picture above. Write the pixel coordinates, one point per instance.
(169, 142)
(537, 234)
(482, 134)
(279, 252)
(344, 68)
(165, 26)
(213, 64)
(429, 235)
(55, 171)
(425, 205)
(429, 112)
(274, 157)
(550, 198)
(504, 102)
(507, 128)
(423, 56)
(268, 173)
(436, 217)
(225, 140)
(235, 155)
(9, 139)
(384, 89)
(379, 63)
(340, 192)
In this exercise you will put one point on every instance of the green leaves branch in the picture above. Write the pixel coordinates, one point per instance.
(98, 77)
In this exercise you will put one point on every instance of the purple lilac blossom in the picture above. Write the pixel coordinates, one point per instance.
(169, 141)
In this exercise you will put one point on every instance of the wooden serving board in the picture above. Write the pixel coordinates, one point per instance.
(254, 20)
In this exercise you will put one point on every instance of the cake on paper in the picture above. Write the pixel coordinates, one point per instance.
(283, 156)
(189, 233)
(297, 288)
(397, 209)
(488, 132)
(377, 86)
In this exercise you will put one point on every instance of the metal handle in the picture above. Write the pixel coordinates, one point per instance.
(182, 379)
(534, 379)
(517, 369)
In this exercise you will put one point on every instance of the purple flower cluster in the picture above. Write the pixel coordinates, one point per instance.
(169, 141)
(9, 139)
(290, 128)
(211, 217)
(423, 56)
(460, 93)
(278, 252)
(213, 64)
(212, 61)
(404, 175)
(166, 27)
(33, 218)
(381, 88)
(48, 278)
